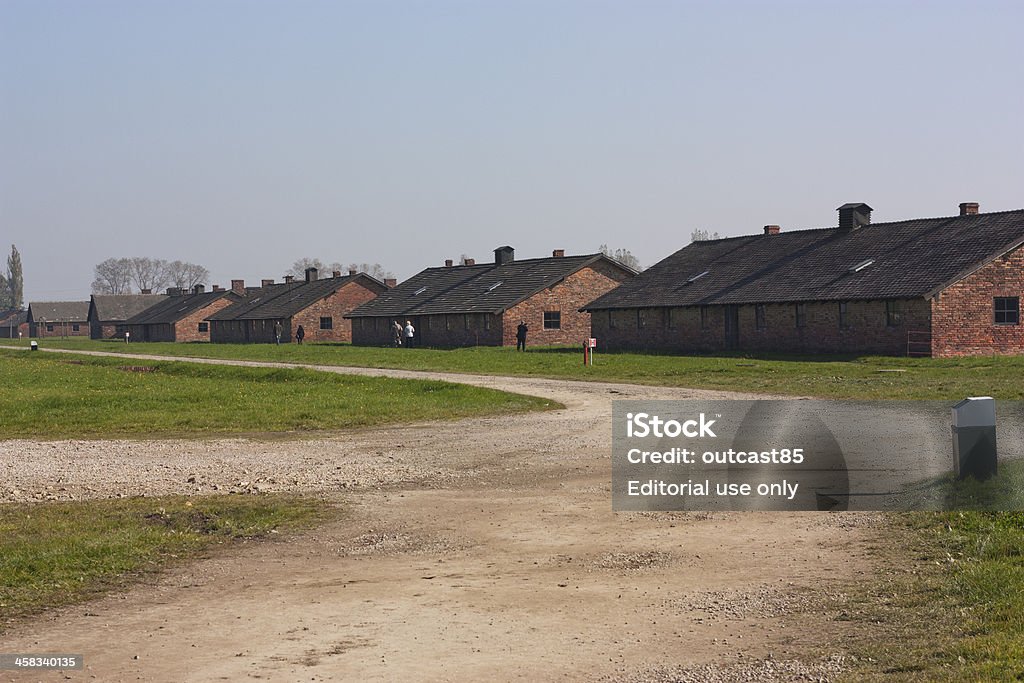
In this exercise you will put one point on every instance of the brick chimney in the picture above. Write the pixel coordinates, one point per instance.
(503, 255)
(173, 291)
(969, 209)
(771, 230)
(448, 263)
(854, 215)
(470, 262)
(218, 288)
(352, 271)
(390, 282)
(266, 283)
(558, 253)
(288, 279)
(147, 290)
(311, 274)
(238, 287)
(335, 273)
(198, 289)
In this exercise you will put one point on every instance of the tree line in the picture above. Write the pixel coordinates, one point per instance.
(138, 273)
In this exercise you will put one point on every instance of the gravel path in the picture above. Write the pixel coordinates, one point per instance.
(481, 549)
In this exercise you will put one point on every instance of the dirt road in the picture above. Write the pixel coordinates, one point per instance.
(483, 549)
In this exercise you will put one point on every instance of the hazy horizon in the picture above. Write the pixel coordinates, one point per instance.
(246, 135)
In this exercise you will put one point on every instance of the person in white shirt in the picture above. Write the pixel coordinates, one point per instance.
(410, 332)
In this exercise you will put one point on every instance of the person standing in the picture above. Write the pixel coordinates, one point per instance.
(521, 335)
(300, 334)
(277, 332)
(410, 333)
(397, 331)
(127, 336)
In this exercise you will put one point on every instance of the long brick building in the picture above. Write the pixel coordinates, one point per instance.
(482, 304)
(936, 286)
(318, 305)
(180, 316)
(58, 319)
(109, 313)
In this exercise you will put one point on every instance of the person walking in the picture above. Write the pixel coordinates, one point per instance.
(410, 333)
(521, 335)
(277, 332)
(397, 331)
(300, 334)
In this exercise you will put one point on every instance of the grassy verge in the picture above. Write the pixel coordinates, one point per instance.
(50, 396)
(825, 376)
(949, 605)
(54, 554)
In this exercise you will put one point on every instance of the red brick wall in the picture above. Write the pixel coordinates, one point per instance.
(963, 322)
(567, 297)
(866, 328)
(61, 329)
(187, 329)
(335, 306)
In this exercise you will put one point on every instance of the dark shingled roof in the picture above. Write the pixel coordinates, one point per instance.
(285, 300)
(59, 310)
(174, 308)
(900, 260)
(116, 308)
(481, 288)
(13, 317)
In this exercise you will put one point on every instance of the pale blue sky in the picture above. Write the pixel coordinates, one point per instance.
(244, 135)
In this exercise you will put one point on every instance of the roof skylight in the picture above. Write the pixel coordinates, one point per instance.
(495, 286)
(862, 265)
(419, 291)
(697, 277)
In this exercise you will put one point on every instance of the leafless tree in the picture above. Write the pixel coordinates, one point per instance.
(372, 269)
(299, 267)
(623, 256)
(699, 235)
(186, 275)
(112, 276)
(149, 273)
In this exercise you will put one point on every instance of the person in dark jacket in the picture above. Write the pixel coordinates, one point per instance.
(521, 336)
(300, 334)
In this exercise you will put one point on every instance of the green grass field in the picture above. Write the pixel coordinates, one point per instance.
(50, 396)
(871, 377)
(54, 554)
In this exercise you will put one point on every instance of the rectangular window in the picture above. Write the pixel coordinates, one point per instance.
(1007, 310)
(893, 315)
(487, 321)
(705, 319)
(552, 320)
(611, 320)
(844, 320)
(465, 321)
(75, 328)
(671, 318)
(326, 323)
(49, 328)
(801, 315)
(759, 319)
(204, 327)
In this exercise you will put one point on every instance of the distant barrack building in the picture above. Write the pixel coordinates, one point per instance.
(109, 313)
(318, 305)
(931, 287)
(58, 319)
(181, 315)
(482, 304)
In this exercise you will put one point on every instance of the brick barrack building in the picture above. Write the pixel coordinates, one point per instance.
(318, 305)
(482, 304)
(109, 313)
(933, 286)
(58, 319)
(181, 316)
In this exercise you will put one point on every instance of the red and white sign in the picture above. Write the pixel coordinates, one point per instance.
(592, 343)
